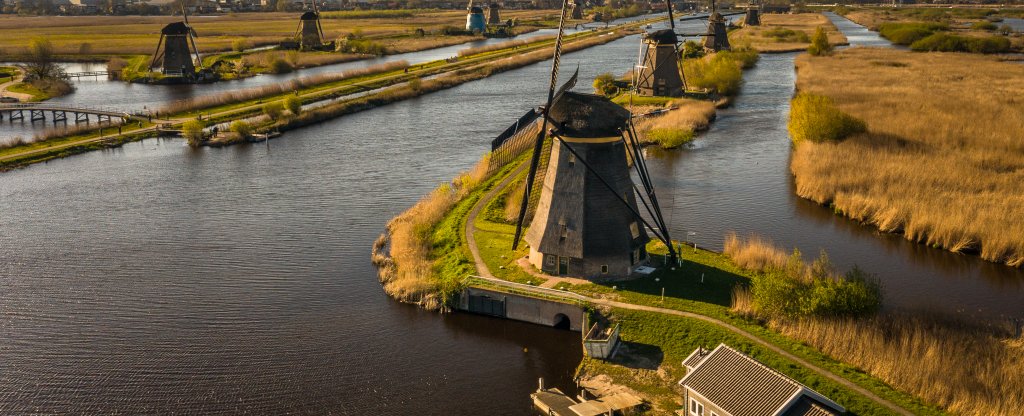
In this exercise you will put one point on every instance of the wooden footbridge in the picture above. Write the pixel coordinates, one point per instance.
(58, 113)
(87, 74)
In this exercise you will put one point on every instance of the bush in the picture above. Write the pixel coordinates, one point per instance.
(786, 35)
(1005, 30)
(362, 46)
(293, 104)
(692, 50)
(416, 84)
(719, 72)
(670, 138)
(604, 84)
(242, 128)
(747, 57)
(984, 25)
(280, 66)
(819, 45)
(192, 130)
(85, 48)
(908, 33)
(816, 118)
(946, 42)
(273, 110)
(239, 45)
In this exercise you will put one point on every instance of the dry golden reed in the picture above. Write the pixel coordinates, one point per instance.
(758, 37)
(942, 161)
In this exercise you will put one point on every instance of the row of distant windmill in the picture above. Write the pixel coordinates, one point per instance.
(178, 56)
(592, 219)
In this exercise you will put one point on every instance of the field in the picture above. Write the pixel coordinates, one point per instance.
(785, 32)
(969, 23)
(942, 161)
(85, 36)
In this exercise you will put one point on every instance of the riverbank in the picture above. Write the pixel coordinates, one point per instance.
(939, 163)
(365, 91)
(975, 30)
(780, 33)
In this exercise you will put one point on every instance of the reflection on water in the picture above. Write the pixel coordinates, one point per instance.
(155, 278)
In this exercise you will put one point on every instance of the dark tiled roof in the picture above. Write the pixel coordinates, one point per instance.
(807, 406)
(743, 386)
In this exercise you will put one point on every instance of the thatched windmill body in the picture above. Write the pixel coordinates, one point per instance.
(587, 221)
(174, 50)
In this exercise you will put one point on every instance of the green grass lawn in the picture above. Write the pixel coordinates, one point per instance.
(26, 88)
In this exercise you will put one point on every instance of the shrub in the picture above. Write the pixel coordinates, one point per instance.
(239, 45)
(816, 118)
(819, 45)
(293, 104)
(1005, 30)
(85, 48)
(280, 66)
(747, 57)
(781, 34)
(669, 138)
(604, 84)
(192, 130)
(719, 72)
(416, 84)
(984, 25)
(362, 46)
(692, 50)
(242, 128)
(908, 33)
(273, 110)
(946, 42)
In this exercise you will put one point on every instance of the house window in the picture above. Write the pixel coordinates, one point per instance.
(604, 268)
(634, 229)
(696, 408)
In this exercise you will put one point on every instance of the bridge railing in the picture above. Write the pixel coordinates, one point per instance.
(51, 107)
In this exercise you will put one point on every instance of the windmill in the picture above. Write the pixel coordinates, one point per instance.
(658, 72)
(475, 19)
(175, 56)
(493, 17)
(587, 221)
(753, 16)
(310, 33)
(577, 9)
(717, 38)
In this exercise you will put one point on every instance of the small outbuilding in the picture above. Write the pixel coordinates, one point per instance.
(726, 382)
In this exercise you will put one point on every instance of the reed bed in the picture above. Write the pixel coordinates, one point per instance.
(407, 270)
(942, 161)
(297, 59)
(502, 45)
(966, 369)
(238, 96)
(677, 126)
(786, 32)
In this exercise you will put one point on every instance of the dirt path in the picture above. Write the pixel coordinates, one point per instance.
(485, 274)
(20, 96)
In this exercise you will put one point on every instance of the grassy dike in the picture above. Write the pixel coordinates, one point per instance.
(384, 87)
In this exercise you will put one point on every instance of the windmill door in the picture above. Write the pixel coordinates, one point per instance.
(563, 266)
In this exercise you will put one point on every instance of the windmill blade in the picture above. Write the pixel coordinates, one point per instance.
(520, 124)
(671, 21)
(542, 134)
(319, 28)
(191, 35)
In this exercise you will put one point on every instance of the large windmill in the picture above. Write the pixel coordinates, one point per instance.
(658, 72)
(310, 33)
(173, 51)
(588, 221)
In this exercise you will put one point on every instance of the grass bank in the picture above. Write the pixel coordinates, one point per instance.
(941, 161)
(944, 30)
(785, 33)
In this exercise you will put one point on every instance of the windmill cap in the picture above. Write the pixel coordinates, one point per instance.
(476, 9)
(176, 28)
(308, 16)
(588, 115)
(661, 36)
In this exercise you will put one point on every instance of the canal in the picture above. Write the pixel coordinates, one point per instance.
(158, 278)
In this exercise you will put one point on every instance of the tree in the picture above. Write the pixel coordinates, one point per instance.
(293, 104)
(604, 84)
(192, 130)
(41, 64)
(242, 128)
(819, 44)
(273, 110)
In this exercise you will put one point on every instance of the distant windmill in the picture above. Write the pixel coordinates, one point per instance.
(717, 38)
(310, 33)
(577, 9)
(475, 21)
(493, 17)
(753, 16)
(658, 72)
(176, 56)
(587, 221)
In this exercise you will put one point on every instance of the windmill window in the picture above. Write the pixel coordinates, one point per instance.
(564, 232)
(572, 158)
(604, 268)
(634, 229)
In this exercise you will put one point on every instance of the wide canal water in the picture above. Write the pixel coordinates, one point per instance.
(159, 278)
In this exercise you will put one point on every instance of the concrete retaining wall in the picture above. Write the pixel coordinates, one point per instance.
(520, 308)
